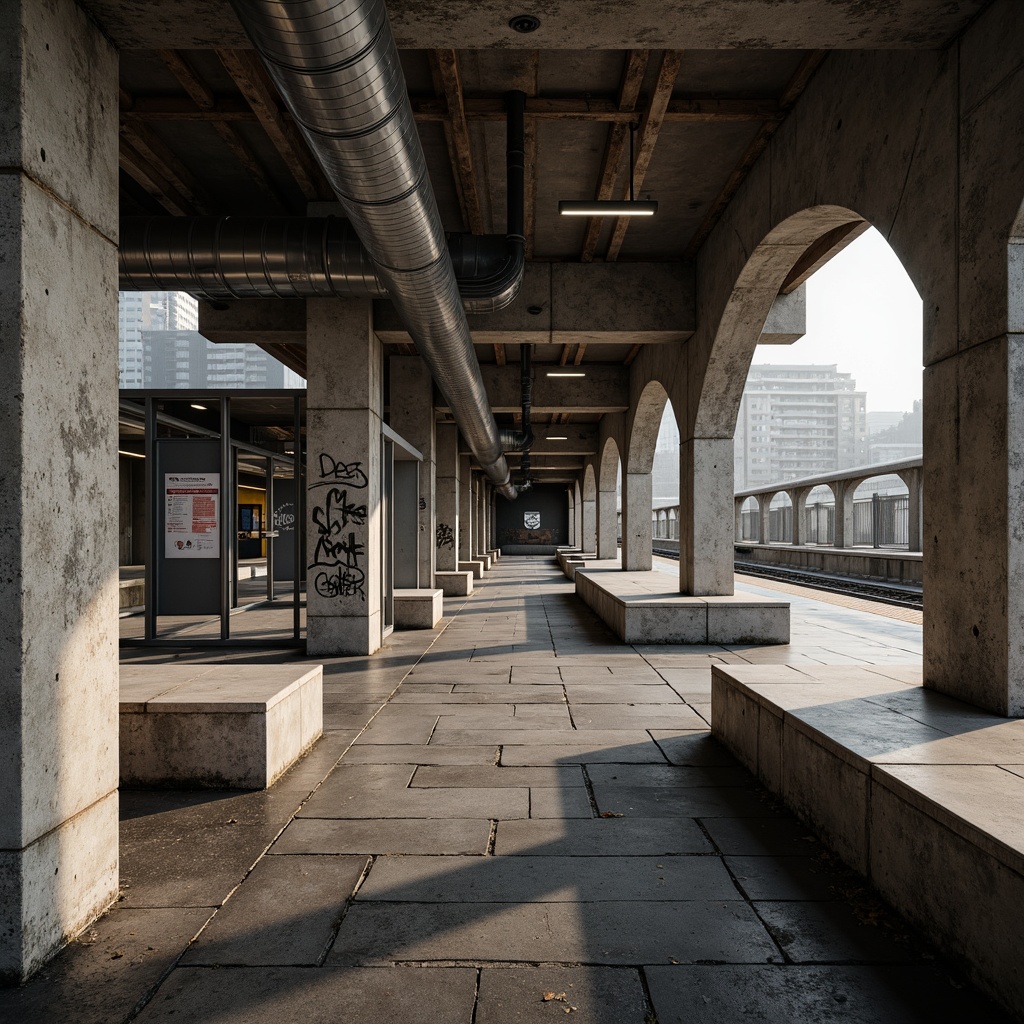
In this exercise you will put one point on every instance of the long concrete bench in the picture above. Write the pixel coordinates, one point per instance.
(920, 793)
(230, 726)
(640, 608)
(454, 584)
(418, 609)
(484, 558)
(571, 560)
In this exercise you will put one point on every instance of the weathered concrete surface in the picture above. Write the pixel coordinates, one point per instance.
(418, 609)
(911, 788)
(447, 530)
(455, 583)
(217, 727)
(58, 485)
(343, 496)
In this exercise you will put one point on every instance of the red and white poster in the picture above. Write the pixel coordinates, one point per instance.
(192, 515)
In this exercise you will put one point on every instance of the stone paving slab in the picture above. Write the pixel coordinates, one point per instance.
(421, 803)
(411, 753)
(601, 837)
(813, 995)
(580, 753)
(560, 803)
(285, 913)
(543, 879)
(385, 837)
(596, 933)
(294, 995)
(662, 775)
(594, 995)
(567, 777)
(696, 747)
(451, 733)
(407, 729)
(671, 801)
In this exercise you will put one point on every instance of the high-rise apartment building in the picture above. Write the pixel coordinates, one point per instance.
(185, 359)
(148, 311)
(798, 421)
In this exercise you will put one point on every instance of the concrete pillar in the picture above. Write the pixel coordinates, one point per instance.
(446, 493)
(637, 496)
(58, 479)
(912, 478)
(412, 416)
(706, 547)
(843, 491)
(343, 478)
(738, 515)
(607, 543)
(799, 499)
(480, 515)
(590, 524)
(465, 537)
(572, 517)
(764, 524)
(577, 505)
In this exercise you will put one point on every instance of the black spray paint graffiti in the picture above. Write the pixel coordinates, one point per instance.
(445, 536)
(337, 549)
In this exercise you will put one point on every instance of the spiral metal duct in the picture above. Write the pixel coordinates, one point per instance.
(336, 66)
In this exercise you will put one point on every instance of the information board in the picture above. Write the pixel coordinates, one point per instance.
(192, 515)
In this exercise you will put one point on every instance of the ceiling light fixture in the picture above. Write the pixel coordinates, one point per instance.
(131, 455)
(554, 437)
(565, 373)
(631, 207)
(201, 408)
(524, 23)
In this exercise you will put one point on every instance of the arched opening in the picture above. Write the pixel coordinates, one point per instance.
(749, 530)
(589, 521)
(643, 432)
(881, 512)
(819, 517)
(780, 519)
(609, 484)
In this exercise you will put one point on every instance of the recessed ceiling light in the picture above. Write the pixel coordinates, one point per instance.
(565, 373)
(607, 208)
(524, 23)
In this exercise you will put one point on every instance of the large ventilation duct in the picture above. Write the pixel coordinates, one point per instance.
(337, 69)
(293, 258)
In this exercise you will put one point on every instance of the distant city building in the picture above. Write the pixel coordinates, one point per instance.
(899, 440)
(185, 359)
(159, 346)
(665, 471)
(148, 311)
(879, 421)
(798, 421)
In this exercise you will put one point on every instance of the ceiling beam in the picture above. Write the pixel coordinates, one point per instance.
(580, 349)
(794, 89)
(444, 66)
(204, 98)
(245, 69)
(631, 355)
(139, 169)
(681, 110)
(629, 91)
(820, 252)
(650, 127)
(530, 162)
(499, 354)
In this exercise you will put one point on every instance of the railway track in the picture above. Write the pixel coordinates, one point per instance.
(872, 590)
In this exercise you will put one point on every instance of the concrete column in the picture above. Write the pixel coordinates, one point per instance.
(480, 515)
(577, 506)
(465, 537)
(446, 492)
(843, 491)
(706, 547)
(572, 517)
(607, 543)
(763, 518)
(412, 416)
(58, 479)
(637, 496)
(590, 524)
(738, 516)
(799, 499)
(343, 474)
(912, 478)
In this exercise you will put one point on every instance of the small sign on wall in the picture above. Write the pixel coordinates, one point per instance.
(192, 515)
(531, 520)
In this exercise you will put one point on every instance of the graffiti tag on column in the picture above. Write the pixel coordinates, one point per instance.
(338, 554)
(445, 536)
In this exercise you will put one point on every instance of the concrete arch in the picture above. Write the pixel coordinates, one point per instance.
(589, 521)
(644, 425)
(607, 499)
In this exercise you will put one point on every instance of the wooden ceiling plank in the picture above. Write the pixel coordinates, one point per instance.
(650, 127)
(615, 147)
(445, 67)
(140, 170)
(499, 354)
(794, 88)
(579, 354)
(200, 93)
(247, 73)
(166, 165)
(564, 357)
(631, 355)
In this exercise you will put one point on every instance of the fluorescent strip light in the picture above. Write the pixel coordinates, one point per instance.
(607, 208)
(552, 437)
(564, 373)
(131, 455)
(201, 408)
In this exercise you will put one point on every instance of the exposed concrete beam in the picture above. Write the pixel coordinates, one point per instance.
(257, 321)
(141, 170)
(821, 251)
(604, 389)
(615, 147)
(787, 320)
(582, 440)
(650, 128)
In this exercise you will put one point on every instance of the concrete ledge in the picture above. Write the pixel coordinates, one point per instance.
(418, 609)
(473, 566)
(571, 560)
(483, 558)
(454, 584)
(233, 726)
(494, 553)
(639, 608)
(872, 563)
(132, 594)
(915, 790)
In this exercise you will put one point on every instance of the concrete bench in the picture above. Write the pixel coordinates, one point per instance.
(132, 594)
(473, 566)
(494, 553)
(640, 608)
(222, 726)
(570, 561)
(919, 792)
(483, 558)
(418, 609)
(454, 584)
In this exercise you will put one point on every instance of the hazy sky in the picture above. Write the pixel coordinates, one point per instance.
(864, 314)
